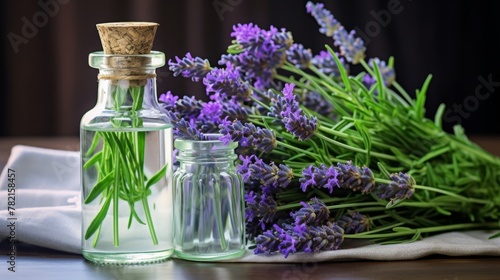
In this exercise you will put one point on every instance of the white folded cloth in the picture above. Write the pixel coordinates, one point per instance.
(47, 198)
(47, 211)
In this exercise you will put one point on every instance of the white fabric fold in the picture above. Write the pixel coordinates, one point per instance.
(47, 210)
(456, 244)
(47, 213)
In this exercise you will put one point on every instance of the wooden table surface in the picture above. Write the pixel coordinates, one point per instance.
(40, 263)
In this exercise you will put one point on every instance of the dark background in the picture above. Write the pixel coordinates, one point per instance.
(49, 85)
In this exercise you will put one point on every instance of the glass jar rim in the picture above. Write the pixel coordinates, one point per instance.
(212, 143)
(101, 60)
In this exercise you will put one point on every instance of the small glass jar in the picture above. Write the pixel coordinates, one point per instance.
(126, 163)
(208, 201)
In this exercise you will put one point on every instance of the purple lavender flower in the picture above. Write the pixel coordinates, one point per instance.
(345, 176)
(226, 83)
(300, 126)
(368, 81)
(248, 135)
(388, 73)
(354, 222)
(270, 175)
(205, 117)
(313, 213)
(351, 47)
(355, 178)
(269, 241)
(211, 111)
(234, 110)
(191, 118)
(324, 238)
(322, 177)
(187, 130)
(238, 132)
(278, 104)
(188, 107)
(209, 117)
(262, 52)
(264, 140)
(325, 63)
(285, 175)
(324, 18)
(299, 56)
(299, 238)
(402, 186)
(244, 167)
(247, 35)
(262, 207)
(295, 121)
(168, 100)
(281, 38)
(287, 242)
(308, 178)
(190, 67)
(288, 93)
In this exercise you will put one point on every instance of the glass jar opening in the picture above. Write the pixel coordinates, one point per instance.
(152, 60)
(212, 144)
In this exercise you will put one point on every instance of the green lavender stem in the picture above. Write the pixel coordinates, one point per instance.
(120, 166)
(397, 232)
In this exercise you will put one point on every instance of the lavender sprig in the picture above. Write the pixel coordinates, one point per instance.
(402, 186)
(298, 124)
(190, 67)
(259, 52)
(313, 213)
(356, 178)
(299, 238)
(262, 207)
(188, 107)
(248, 135)
(270, 175)
(324, 18)
(322, 176)
(225, 83)
(351, 47)
(234, 110)
(354, 222)
(299, 56)
(187, 130)
(168, 100)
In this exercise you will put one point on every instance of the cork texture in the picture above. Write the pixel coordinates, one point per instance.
(127, 38)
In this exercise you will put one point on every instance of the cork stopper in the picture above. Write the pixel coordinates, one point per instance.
(127, 37)
(127, 40)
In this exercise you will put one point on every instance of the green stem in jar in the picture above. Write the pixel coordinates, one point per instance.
(120, 167)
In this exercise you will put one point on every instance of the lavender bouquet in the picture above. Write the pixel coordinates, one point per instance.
(328, 155)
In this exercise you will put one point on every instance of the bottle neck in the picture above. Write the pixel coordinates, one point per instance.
(122, 93)
(127, 82)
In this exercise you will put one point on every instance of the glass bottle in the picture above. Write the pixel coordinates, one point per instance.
(126, 160)
(208, 201)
